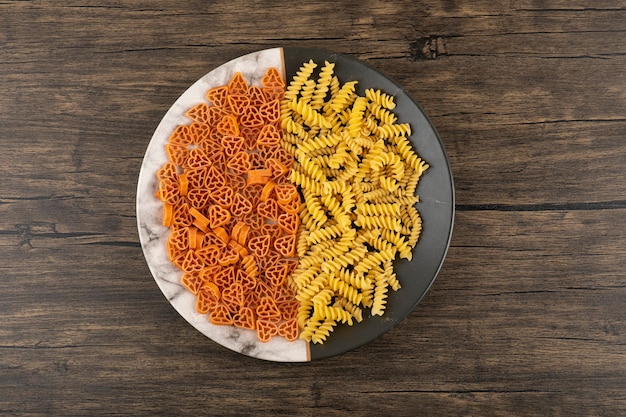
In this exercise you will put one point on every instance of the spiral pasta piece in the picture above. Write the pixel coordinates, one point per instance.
(320, 142)
(380, 296)
(378, 221)
(397, 240)
(333, 313)
(299, 79)
(306, 93)
(405, 150)
(374, 259)
(381, 114)
(350, 169)
(313, 259)
(380, 98)
(306, 182)
(320, 248)
(355, 121)
(337, 263)
(392, 279)
(392, 160)
(305, 310)
(314, 207)
(295, 128)
(340, 156)
(322, 332)
(323, 85)
(352, 278)
(303, 278)
(344, 97)
(332, 204)
(353, 309)
(387, 197)
(370, 125)
(346, 291)
(388, 131)
(380, 209)
(322, 298)
(367, 298)
(416, 227)
(387, 183)
(313, 288)
(310, 116)
(308, 167)
(323, 234)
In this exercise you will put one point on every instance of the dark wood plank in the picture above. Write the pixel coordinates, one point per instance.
(526, 316)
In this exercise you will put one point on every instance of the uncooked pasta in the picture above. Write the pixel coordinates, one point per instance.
(358, 174)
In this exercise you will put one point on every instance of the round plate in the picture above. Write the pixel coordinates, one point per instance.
(436, 207)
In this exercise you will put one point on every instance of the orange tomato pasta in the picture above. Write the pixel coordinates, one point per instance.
(231, 209)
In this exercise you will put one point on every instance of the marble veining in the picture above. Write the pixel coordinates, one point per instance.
(153, 235)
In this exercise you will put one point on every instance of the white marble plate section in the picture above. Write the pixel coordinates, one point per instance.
(153, 235)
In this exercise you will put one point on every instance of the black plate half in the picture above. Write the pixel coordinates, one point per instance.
(436, 206)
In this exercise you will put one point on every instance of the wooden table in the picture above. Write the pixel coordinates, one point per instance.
(527, 316)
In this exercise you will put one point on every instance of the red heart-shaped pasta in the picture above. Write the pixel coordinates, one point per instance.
(237, 85)
(267, 309)
(218, 96)
(245, 318)
(286, 245)
(268, 209)
(221, 315)
(288, 329)
(257, 98)
(199, 112)
(289, 223)
(272, 79)
(266, 329)
(259, 245)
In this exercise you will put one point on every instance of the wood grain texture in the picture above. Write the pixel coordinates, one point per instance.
(527, 316)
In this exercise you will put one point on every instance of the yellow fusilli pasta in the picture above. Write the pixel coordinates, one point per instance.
(344, 97)
(322, 86)
(358, 174)
(380, 98)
